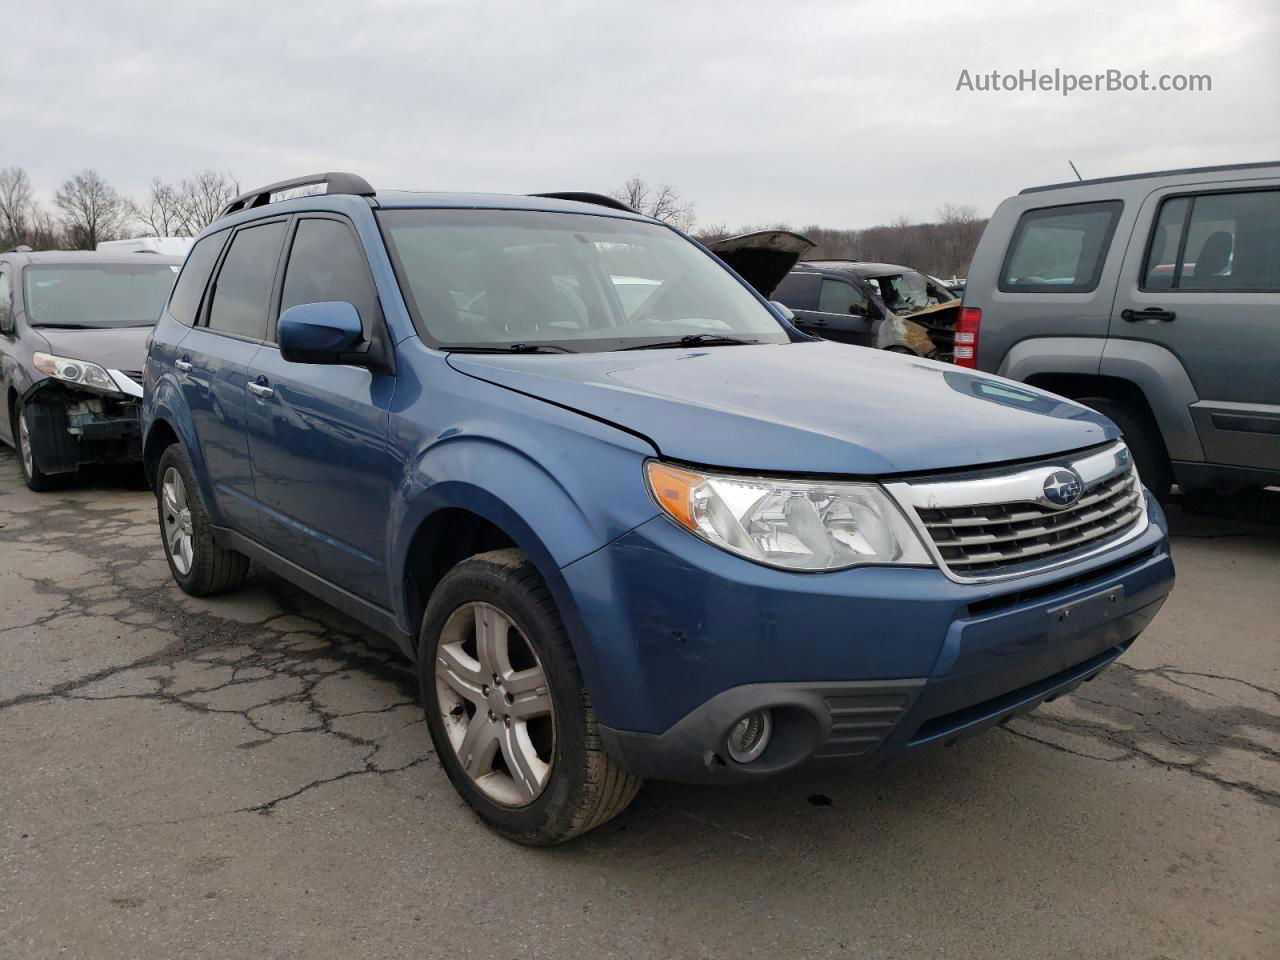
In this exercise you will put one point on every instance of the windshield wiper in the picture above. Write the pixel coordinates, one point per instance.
(692, 340)
(513, 348)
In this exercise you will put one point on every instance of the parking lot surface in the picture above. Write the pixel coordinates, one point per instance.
(249, 776)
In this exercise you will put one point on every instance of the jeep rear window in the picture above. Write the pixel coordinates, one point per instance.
(94, 295)
(498, 278)
(1060, 249)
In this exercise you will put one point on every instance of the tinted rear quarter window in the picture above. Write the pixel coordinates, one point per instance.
(1060, 249)
(798, 291)
(840, 297)
(244, 283)
(327, 263)
(184, 302)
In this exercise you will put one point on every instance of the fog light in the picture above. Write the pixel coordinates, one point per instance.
(750, 736)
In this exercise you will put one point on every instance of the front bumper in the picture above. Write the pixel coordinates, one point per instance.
(678, 641)
(71, 428)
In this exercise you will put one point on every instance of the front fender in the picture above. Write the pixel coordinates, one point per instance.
(164, 403)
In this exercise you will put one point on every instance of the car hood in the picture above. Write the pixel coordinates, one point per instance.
(814, 407)
(762, 258)
(118, 348)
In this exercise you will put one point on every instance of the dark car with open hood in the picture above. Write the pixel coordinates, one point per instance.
(73, 339)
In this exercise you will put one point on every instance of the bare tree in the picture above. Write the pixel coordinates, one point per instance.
(161, 214)
(17, 207)
(92, 210)
(202, 197)
(662, 202)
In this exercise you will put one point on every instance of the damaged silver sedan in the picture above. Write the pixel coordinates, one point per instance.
(73, 341)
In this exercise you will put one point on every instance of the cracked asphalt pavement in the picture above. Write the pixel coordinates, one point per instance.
(249, 776)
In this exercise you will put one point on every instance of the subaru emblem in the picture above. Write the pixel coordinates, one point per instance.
(1062, 488)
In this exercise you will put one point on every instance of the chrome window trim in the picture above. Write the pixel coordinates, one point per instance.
(1025, 484)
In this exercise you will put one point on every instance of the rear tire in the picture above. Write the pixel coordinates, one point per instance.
(1145, 443)
(35, 478)
(560, 782)
(198, 564)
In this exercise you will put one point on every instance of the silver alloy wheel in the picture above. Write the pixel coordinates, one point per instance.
(177, 521)
(24, 443)
(495, 704)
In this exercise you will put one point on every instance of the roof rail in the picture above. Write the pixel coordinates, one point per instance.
(1221, 168)
(599, 199)
(336, 182)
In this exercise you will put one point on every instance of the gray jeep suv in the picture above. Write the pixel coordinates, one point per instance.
(1153, 298)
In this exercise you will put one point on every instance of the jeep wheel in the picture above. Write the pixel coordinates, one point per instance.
(34, 477)
(1143, 438)
(506, 708)
(197, 563)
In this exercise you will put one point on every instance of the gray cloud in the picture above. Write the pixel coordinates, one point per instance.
(843, 113)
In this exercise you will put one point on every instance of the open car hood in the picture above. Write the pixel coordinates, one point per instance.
(762, 258)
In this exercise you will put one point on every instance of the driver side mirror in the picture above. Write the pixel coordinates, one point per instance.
(321, 333)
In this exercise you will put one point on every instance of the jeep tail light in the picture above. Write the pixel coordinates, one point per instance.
(966, 352)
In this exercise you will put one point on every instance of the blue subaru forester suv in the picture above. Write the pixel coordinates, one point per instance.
(627, 520)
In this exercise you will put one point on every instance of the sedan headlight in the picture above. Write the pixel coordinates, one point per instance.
(790, 524)
(80, 372)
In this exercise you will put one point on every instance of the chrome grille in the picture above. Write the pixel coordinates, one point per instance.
(999, 524)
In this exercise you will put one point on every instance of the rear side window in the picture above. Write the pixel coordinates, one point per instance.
(184, 302)
(1218, 242)
(798, 291)
(1060, 249)
(244, 283)
(6, 305)
(840, 297)
(327, 263)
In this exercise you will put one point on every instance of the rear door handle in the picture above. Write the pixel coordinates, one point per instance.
(1150, 313)
(260, 389)
(183, 365)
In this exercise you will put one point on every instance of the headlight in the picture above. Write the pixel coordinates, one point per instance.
(791, 524)
(80, 372)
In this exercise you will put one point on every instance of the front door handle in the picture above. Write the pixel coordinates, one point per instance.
(260, 389)
(1150, 313)
(183, 365)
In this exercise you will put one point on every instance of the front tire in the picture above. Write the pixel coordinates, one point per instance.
(510, 719)
(198, 564)
(35, 478)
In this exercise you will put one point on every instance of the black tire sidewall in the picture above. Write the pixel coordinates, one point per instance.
(1142, 437)
(37, 479)
(480, 580)
(174, 456)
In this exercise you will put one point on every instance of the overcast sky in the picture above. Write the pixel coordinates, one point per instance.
(839, 113)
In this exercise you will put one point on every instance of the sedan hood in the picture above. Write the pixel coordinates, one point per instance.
(118, 348)
(815, 407)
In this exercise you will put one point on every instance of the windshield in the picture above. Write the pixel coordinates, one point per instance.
(97, 294)
(909, 291)
(504, 278)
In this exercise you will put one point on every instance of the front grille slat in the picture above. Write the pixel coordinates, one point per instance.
(1045, 525)
(990, 539)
